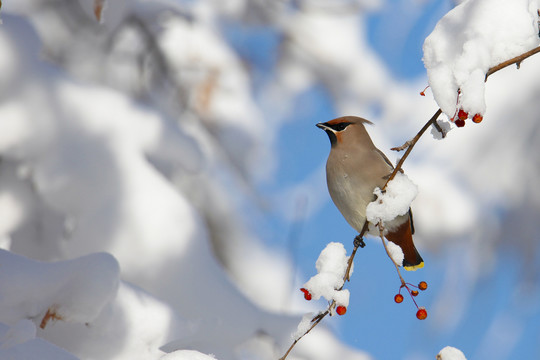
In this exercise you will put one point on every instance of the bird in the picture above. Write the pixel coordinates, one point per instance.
(355, 167)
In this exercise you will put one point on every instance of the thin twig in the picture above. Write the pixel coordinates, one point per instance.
(411, 145)
(381, 234)
(316, 320)
(516, 60)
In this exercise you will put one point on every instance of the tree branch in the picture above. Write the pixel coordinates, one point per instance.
(358, 242)
(516, 60)
(410, 144)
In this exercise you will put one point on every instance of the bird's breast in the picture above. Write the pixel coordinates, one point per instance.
(350, 194)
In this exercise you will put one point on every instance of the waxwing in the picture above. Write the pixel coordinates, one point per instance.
(355, 167)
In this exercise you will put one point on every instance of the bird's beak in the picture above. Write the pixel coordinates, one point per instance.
(322, 126)
(329, 131)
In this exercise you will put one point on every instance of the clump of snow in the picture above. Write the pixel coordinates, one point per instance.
(395, 252)
(395, 201)
(471, 38)
(331, 267)
(303, 326)
(342, 297)
(133, 325)
(187, 355)
(74, 290)
(444, 125)
(450, 353)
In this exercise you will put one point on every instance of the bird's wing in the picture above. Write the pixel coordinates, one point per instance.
(385, 158)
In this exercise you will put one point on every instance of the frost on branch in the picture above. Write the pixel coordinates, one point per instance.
(468, 40)
(331, 267)
(395, 201)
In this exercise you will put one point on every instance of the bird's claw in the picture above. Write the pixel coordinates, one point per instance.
(359, 241)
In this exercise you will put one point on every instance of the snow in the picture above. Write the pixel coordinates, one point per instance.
(331, 267)
(395, 252)
(471, 38)
(187, 355)
(39, 347)
(304, 325)
(444, 125)
(395, 201)
(134, 324)
(132, 154)
(75, 290)
(89, 184)
(21, 332)
(450, 353)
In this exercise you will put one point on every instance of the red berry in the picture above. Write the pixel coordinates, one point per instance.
(341, 310)
(462, 114)
(477, 118)
(398, 298)
(414, 292)
(421, 314)
(422, 285)
(460, 123)
(307, 294)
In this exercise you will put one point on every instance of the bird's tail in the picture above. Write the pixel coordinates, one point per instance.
(402, 237)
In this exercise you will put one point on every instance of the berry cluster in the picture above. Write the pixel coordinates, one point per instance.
(340, 309)
(421, 314)
(462, 115)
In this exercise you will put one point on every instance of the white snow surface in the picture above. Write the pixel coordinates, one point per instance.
(331, 266)
(395, 201)
(471, 38)
(303, 326)
(451, 353)
(187, 355)
(395, 252)
(75, 290)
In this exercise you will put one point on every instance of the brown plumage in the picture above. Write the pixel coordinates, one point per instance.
(355, 167)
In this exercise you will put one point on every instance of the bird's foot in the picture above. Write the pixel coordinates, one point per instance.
(359, 241)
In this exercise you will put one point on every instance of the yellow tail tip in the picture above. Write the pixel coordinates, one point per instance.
(414, 267)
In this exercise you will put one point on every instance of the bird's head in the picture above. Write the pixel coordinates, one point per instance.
(340, 129)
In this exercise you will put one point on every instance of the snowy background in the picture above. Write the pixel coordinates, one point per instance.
(162, 189)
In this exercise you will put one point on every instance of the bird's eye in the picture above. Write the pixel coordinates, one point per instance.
(341, 126)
